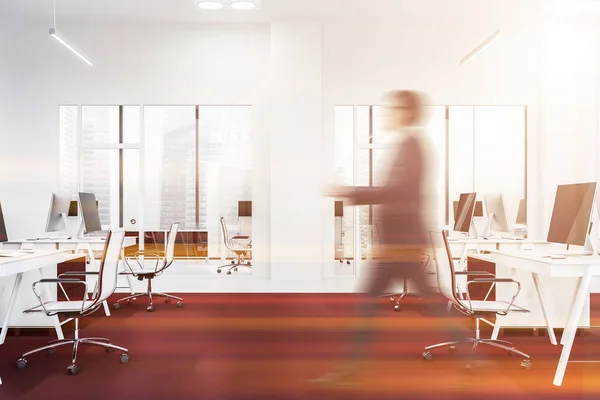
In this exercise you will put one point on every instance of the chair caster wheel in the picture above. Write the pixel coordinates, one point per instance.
(235, 269)
(526, 364)
(167, 299)
(72, 369)
(341, 261)
(397, 307)
(180, 304)
(348, 262)
(249, 264)
(427, 356)
(52, 351)
(21, 363)
(116, 306)
(218, 271)
(124, 359)
(233, 262)
(392, 299)
(150, 308)
(228, 272)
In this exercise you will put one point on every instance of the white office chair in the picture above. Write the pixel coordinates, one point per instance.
(474, 308)
(243, 252)
(107, 283)
(138, 269)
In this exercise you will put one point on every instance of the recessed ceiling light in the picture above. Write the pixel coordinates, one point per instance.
(210, 5)
(243, 5)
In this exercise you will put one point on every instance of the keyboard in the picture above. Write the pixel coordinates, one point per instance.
(15, 253)
(512, 238)
(568, 253)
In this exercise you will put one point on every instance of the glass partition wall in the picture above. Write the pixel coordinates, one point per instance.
(152, 165)
(478, 149)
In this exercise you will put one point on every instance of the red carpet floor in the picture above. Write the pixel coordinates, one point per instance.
(265, 346)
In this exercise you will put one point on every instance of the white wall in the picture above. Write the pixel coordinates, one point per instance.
(296, 181)
(134, 64)
(293, 74)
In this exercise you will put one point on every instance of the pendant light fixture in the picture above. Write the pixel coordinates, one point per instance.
(60, 38)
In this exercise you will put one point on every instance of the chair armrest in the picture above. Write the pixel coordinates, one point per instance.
(147, 253)
(152, 255)
(494, 281)
(60, 282)
(481, 273)
(78, 273)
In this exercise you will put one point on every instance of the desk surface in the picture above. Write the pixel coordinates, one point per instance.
(463, 240)
(37, 259)
(541, 263)
(128, 241)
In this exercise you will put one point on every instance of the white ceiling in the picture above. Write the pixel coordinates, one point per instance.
(187, 10)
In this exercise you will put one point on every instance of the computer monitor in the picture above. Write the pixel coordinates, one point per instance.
(478, 212)
(59, 208)
(494, 205)
(522, 213)
(244, 208)
(572, 213)
(3, 234)
(464, 212)
(73, 208)
(89, 212)
(339, 209)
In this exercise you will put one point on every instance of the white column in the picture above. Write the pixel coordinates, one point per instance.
(568, 107)
(296, 141)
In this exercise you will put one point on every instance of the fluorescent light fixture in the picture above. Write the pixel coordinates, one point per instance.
(477, 50)
(210, 5)
(243, 5)
(60, 39)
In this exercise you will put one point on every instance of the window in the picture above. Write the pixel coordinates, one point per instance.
(196, 166)
(485, 147)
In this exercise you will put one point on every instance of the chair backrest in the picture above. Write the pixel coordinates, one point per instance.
(109, 267)
(170, 253)
(444, 266)
(225, 234)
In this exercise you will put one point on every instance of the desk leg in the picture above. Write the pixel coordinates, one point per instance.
(498, 323)
(571, 328)
(497, 326)
(538, 289)
(96, 268)
(577, 287)
(130, 284)
(55, 320)
(11, 306)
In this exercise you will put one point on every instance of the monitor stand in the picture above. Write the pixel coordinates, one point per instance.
(66, 223)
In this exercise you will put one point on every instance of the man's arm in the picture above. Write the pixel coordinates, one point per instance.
(402, 176)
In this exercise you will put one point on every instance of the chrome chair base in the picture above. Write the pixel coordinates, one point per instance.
(501, 344)
(150, 294)
(398, 297)
(234, 265)
(72, 369)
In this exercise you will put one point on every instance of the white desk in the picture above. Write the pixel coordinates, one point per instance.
(578, 269)
(18, 266)
(87, 246)
(460, 246)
